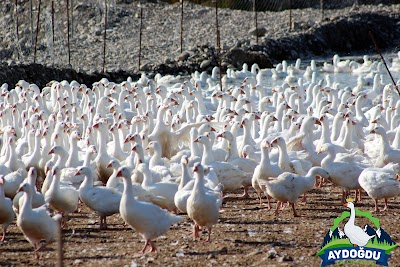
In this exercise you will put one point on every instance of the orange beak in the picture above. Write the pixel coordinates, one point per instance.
(345, 204)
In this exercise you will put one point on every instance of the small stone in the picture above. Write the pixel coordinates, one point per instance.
(272, 253)
(77, 262)
(183, 56)
(211, 256)
(255, 252)
(205, 64)
(180, 254)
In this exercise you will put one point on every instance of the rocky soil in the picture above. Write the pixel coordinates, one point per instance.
(343, 30)
(247, 235)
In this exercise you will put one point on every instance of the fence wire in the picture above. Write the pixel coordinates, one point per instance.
(159, 18)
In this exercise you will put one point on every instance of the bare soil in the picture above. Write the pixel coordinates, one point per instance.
(247, 235)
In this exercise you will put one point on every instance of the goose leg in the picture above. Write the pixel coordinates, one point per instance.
(376, 205)
(4, 234)
(144, 248)
(269, 202)
(245, 193)
(196, 231)
(153, 247)
(294, 210)
(209, 234)
(278, 204)
(386, 203)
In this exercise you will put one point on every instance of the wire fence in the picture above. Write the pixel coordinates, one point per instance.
(97, 34)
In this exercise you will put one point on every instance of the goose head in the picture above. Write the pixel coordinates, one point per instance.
(83, 171)
(124, 172)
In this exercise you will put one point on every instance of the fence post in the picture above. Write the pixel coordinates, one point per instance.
(37, 31)
(105, 35)
(140, 34)
(31, 18)
(52, 27)
(290, 15)
(218, 44)
(68, 44)
(322, 10)
(17, 27)
(72, 19)
(255, 19)
(182, 26)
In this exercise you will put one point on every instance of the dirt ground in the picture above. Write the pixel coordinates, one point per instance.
(246, 235)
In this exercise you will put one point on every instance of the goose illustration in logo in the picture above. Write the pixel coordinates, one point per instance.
(356, 243)
(356, 235)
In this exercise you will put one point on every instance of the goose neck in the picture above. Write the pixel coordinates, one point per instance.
(208, 157)
(88, 181)
(27, 203)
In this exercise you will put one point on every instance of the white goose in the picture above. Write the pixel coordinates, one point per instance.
(37, 197)
(163, 189)
(202, 208)
(7, 214)
(184, 190)
(12, 182)
(287, 187)
(229, 175)
(62, 199)
(104, 201)
(264, 171)
(380, 183)
(149, 220)
(244, 164)
(36, 224)
(356, 235)
(344, 174)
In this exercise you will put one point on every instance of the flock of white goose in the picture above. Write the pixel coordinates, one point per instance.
(149, 148)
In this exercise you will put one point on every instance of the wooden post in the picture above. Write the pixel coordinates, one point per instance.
(182, 26)
(72, 19)
(60, 246)
(105, 35)
(52, 27)
(322, 10)
(17, 27)
(68, 44)
(218, 44)
(290, 15)
(255, 19)
(31, 18)
(140, 35)
(37, 31)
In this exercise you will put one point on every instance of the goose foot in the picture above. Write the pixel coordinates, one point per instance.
(245, 193)
(376, 206)
(386, 205)
(152, 247)
(209, 235)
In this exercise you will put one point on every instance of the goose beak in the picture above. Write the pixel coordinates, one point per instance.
(109, 165)
(374, 121)
(119, 173)
(219, 135)
(51, 151)
(372, 131)
(78, 173)
(196, 140)
(318, 122)
(345, 204)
